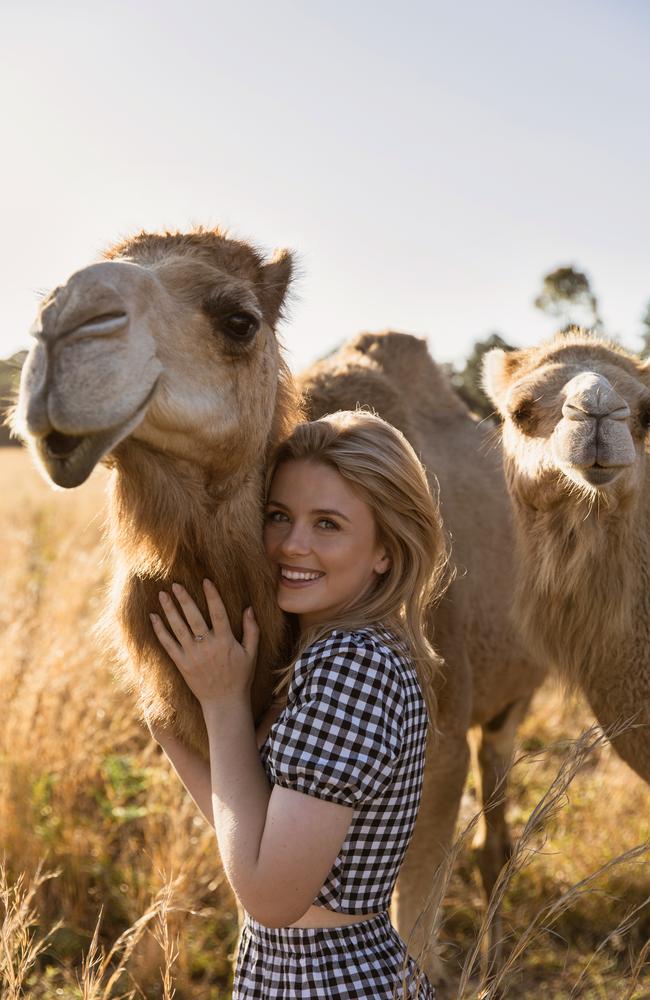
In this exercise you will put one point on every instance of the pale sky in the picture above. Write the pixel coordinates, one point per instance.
(428, 161)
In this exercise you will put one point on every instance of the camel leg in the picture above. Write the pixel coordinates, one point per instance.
(492, 843)
(444, 779)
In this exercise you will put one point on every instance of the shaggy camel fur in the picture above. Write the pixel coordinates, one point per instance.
(576, 413)
(162, 362)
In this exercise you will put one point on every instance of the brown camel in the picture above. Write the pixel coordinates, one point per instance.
(162, 362)
(576, 413)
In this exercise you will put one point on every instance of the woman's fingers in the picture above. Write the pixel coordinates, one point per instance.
(195, 619)
(177, 623)
(166, 641)
(251, 633)
(218, 614)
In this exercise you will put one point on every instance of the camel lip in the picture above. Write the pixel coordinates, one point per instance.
(599, 475)
(62, 446)
(69, 459)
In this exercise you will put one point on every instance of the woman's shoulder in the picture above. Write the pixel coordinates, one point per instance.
(369, 644)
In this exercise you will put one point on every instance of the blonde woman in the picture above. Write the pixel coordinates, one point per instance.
(313, 812)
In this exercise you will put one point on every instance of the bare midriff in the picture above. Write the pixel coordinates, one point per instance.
(320, 916)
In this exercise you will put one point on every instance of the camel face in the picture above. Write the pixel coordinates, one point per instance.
(169, 347)
(574, 414)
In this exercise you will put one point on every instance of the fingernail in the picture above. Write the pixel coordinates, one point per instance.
(176, 586)
(153, 617)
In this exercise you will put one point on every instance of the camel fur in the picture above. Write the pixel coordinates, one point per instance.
(576, 412)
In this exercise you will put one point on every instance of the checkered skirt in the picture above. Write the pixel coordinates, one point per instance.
(361, 961)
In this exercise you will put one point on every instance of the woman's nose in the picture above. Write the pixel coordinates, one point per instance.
(296, 541)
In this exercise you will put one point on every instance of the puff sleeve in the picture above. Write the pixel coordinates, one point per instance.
(342, 734)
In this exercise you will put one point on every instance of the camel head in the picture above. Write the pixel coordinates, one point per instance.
(168, 340)
(576, 413)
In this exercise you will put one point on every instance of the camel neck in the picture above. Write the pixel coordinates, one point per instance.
(168, 525)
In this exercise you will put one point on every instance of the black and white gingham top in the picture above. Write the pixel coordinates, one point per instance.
(354, 731)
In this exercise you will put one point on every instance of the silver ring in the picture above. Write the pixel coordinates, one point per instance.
(199, 638)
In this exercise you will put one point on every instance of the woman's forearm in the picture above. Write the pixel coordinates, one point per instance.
(193, 771)
(240, 799)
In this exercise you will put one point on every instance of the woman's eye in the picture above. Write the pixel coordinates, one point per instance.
(326, 521)
(274, 515)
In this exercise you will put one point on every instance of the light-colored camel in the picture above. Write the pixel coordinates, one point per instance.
(162, 362)
(576, 413)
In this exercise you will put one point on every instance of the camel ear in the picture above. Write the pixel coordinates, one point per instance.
(499, 368)
(643, 368)
(276, 276)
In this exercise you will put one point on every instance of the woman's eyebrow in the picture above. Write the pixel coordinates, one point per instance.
(319, 510)
(326, 510)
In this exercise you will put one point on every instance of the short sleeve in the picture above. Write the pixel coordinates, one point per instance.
(342, 735)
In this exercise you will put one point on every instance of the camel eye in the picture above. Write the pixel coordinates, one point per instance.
(522, 414)
(240, 325)
(644, 416)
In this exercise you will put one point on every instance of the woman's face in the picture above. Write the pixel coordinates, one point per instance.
(321, 539)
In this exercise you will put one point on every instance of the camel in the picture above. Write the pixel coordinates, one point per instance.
(161, 361)
(576, 412)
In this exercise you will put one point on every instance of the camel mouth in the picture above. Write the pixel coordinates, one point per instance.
(60, 445)
(70, 458)
(598, 475)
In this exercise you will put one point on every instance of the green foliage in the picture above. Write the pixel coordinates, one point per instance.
(467, 381)
(123, 794)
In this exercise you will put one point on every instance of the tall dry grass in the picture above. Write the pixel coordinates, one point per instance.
(110, 883)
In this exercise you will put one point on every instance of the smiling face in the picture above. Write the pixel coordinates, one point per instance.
(321, 539)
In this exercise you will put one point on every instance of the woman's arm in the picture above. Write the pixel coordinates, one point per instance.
(276, 845)
(193, 771)
(275, 863)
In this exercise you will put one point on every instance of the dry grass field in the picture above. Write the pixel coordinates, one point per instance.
(110, 882)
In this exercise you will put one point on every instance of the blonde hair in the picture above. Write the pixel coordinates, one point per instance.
(380, 465)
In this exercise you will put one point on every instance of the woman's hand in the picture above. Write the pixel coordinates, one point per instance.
(216, 668)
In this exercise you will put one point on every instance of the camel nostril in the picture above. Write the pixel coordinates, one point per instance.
(62, 445)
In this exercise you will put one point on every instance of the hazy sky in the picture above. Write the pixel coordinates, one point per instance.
(429, 162)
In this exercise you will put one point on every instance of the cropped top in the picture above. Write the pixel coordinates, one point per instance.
(354, 731)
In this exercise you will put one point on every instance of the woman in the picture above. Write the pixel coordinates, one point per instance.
(314, 812)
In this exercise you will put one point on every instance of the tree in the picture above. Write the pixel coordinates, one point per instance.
(467, 382)
(566, 294)
(645, 336)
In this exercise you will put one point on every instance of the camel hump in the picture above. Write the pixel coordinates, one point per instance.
(393, 373)
(388, 346)
(346, 380)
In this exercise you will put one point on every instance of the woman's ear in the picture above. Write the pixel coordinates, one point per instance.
(383, 564)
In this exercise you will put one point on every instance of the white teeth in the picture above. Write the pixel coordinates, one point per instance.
(294, 574)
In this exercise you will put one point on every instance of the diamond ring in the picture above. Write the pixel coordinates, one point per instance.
(200, 637)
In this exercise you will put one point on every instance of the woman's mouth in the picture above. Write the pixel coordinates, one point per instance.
(296, 578)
